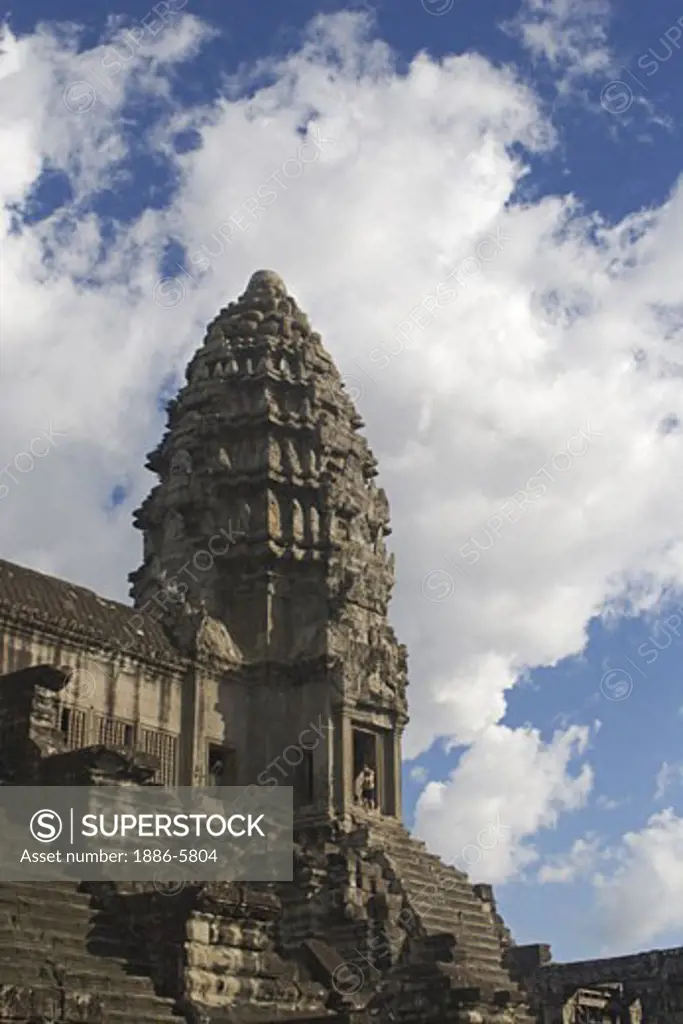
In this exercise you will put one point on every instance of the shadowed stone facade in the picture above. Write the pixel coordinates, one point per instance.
(644, 987)
(258, 651)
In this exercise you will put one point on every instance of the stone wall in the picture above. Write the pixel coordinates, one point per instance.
(274, 721)
(111, 698)
(211, 947)
(653, 980)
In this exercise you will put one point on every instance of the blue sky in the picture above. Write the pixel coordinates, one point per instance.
(545, 672)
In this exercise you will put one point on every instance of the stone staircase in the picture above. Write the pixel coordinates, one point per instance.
(440, 899)
(417, 943)
(62, 960)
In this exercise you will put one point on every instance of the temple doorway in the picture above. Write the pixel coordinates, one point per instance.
(222, 766)
(374, 782)
(365, 774)
(602, 1004)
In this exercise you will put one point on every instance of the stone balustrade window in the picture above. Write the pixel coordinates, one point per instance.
(114, 732)
(82, 728)
(73, 724)
(163, 745)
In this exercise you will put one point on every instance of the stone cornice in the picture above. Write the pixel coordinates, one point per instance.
(27, 621)
(649, 967)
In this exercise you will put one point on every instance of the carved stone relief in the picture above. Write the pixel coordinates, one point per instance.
(275, 455)
(274, 522)
(181, 463)
(174, 527)
(315, 525)
(293, 462)
(298, 527)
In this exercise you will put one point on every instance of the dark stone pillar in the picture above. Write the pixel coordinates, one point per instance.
(29, 700)
(523, 961)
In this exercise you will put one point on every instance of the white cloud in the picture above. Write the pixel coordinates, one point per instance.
(569, 35)
(606, 803)
(551, 324)
(579, 862)
(643, 898)
(667, 776)
(507, 786)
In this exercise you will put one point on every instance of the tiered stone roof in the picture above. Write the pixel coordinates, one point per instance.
(34, 599)
(263, 446)
(264, 419)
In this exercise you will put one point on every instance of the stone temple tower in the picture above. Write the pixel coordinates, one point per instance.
(259, 652)
(265, 540)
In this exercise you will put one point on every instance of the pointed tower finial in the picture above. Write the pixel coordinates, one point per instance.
(267, 279)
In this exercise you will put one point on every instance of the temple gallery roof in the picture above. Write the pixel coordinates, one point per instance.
(57, 606)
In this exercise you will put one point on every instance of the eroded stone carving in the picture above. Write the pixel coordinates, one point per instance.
(181, 463)
(174, 527)
(274, 519)
(298, 526)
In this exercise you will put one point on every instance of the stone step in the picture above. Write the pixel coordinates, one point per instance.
(444, 901)
(50, 920)
(481, 956)
(446, 921)
(481, 948)
(453, 882)
(439, 884)
(406, 852)
(100, 974)
(96, 943)
(401, 839)
(484, 957)
(425, 902)
(484, 970)
(20, 903)
(467, 974)
(482, 952)
(67, 944)
(131, 1003)
(447, 878)
(153, 1015)
(448, 902)
(59, 898)
(22, 892)
(427, 864)
(63, 937)
(46, 1005)
(57, 950)
(474, 926)
(433, 876)
(68, 947)
(459, 914)
(62, 902)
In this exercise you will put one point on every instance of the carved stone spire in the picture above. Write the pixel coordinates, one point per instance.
(266, 514)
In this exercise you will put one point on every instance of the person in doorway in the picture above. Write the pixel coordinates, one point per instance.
(216, 772)
(365, 788)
